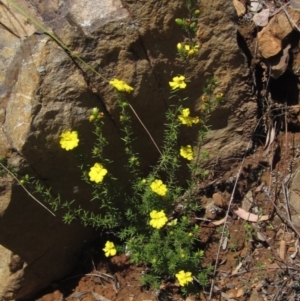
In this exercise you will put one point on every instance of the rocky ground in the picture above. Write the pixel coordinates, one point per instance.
(256, 261)
(253, 260)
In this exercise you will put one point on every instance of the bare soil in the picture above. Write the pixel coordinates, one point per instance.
(259, 261)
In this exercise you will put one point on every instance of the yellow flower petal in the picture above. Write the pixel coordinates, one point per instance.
(186, 119)
(178, 82)
(184, 277)
(158, 219)
(69, 140)
(110, 249)
(121, 85)
(159, 187)
(187, 152)
(97, 173)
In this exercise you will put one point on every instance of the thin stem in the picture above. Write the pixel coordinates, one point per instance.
(65, 47)
(136, 115)
(7, 170)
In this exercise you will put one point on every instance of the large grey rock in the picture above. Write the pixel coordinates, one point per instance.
(43, 91)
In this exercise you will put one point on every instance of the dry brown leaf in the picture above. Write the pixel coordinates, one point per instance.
(220, 222)
(240, 293)
(260, 236)
(251, 217)
(232, 293)
(270, 139)
(262, 18)
(224, 242)
(291, 249)
(295, 252)
(281, 66)
(239, 7)
(235, 271)
(260, 187)
(271, 146)
(282, 249)
(247, 201)
(218, 200)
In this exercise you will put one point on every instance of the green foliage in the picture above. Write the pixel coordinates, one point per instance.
(156, 227)
(249, 230)
(167, 251)
(189, 24)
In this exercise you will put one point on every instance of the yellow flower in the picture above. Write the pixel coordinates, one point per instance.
(191, 50)
(110, 249)
(159, 187)
(69, 140)
(178, 82)
(187, 152)
(187, 48)
(158, 219)
(179, 46)
(121, 85)
(184, 277)
(97, 173)
(219, 96)
(186, 119)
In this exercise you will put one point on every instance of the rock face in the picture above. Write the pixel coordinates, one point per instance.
(271, 38)
(44, 91)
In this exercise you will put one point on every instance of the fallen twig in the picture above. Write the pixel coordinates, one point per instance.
(289, 222)
(226, 216)
(288, 16)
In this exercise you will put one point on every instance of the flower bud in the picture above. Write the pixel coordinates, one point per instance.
(196, 12)
(193, 25)
(219, 96)
(205, 173)
(92, 118)
(187, 48)
(179, 21)
(179, 46)
(191, 52)
(95, 111)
